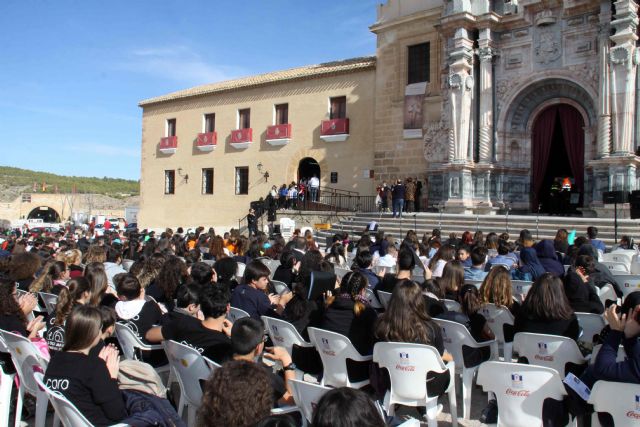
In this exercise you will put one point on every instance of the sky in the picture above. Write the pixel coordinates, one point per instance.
(72, 72)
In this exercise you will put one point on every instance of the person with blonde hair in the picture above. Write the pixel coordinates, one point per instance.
(73, 259)
(496, 289)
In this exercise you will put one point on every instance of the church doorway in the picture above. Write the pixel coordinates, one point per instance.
(45, 213)
(307, 168)
(557, 167)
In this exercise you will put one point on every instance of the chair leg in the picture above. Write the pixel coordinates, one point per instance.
(41, 409)
(453, 406)
(508, 351)
(181, 404)
(191, 415)
(467, 382)
(6, 385)
(432, 412)
(56, 420)
(19, 406)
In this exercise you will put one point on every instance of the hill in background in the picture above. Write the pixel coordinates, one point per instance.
(14, 181)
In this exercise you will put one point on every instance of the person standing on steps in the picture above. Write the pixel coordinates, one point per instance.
(397, 192)
(314, 186)
(252, 223)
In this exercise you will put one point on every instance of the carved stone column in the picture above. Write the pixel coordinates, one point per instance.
(461, 84)
(623, 63)
(604, 107)
(485, 53)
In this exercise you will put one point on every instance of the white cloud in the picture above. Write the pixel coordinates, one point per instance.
(103, 150)
(179, 63)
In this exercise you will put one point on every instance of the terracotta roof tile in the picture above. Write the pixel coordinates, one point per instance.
(306, 72)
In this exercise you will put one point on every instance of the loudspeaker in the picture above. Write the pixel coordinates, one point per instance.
(634, 201)
(609, 197)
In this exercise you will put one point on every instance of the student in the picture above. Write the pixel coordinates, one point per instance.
(476, 271)
(346, 407)
(248, 338)
(13, 310)
(581, 294)
(406, 263)
(209, 336)
(133, 310)
(548, 258)
(251, 296)
(463, 255)
(226, 393)
(592, 233)
(502, 257)
(496, 289)
(90, 383)
(451, 281)
(363, 265)
(78, 292)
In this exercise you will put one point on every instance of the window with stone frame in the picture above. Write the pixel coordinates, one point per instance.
(418, 63)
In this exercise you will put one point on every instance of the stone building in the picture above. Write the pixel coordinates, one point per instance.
(490, 102)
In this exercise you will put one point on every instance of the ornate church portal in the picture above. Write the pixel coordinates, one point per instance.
(557, 154)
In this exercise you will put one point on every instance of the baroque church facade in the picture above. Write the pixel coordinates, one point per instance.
(518, 86)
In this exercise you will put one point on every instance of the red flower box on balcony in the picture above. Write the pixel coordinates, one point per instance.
(279, 134)
(168, 144)
(241, 138)
(207, 141)
(334, 130)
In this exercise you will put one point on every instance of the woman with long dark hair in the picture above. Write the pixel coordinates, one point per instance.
(172, 275)
(13, 311)
(546, 310)
(445, 254)
(77, 292)
(451, 280)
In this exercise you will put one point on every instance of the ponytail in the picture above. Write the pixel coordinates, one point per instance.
(68, 298)
(470, 300)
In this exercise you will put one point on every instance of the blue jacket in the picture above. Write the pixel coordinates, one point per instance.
(607, 369)
(471, 273)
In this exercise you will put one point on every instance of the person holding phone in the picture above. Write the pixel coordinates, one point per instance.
(580, 292)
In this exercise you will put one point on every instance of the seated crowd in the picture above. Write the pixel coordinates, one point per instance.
(181, 286)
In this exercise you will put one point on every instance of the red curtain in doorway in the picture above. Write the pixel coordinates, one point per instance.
(572, 125)
(541, 141)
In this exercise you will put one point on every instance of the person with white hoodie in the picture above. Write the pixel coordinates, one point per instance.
(132, 309)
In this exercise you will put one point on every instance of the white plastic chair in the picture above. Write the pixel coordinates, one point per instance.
(307, 395)
(65, 410)
(210, 363)
(236, 313)
(617, 267)
(620, 357)
(281, 287)
(476, 283)
(552, 351)
(27, 360)
(452, 305)
(607, 293)
(284, 334)
(132, 346)
(620, 400)
(370, 296)
(630, 283)
(566, 268)
(408, 365)
(591, 325)
(384, 297)
(189, 368)
(497, 317)
(126, 264)
(6, 387)
(240, 269)
(455, 335)
(341, 272)
(334, 351)
(287, 226)
(272, 265)
(520, 391)
(620, 257)
(520, 289)
(50, 301)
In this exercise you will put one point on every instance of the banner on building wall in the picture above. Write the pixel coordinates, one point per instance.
(413, 119)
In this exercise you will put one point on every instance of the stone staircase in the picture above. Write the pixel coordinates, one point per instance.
(542, 227)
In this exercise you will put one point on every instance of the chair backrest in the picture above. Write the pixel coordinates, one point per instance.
(552, 351)
(497, 317)
(455, 335)
(607, 293)
(520, 390)
(616, 267)
(373, 300)
(236, 313)
(240, 269)
(210, 363)
(520, 288)
(26, 358)
(591, 325)
(452, 305)
(506, 266)
(407, 365)
(65, 410)
(209, 262)
(566, 268)
(283, 333)
(307, 395)
(476, 283)
(189, 367)
(621, 400)
(272, 264)
(129, 341)
(50, 301)
(281, 287)
(334, 350)
(630, 283)
(384, 297)
(619, 257)
(126, 264)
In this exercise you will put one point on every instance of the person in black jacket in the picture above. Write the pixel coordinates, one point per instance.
(397, 195)
(581, 294)
(252, 223)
